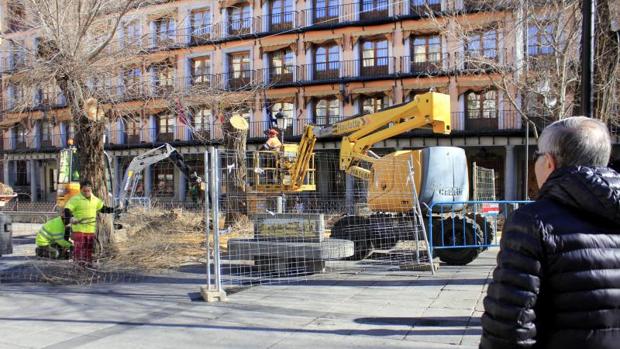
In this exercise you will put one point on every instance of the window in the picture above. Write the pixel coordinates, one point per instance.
(166, 124)
(133, 34)
(163, 179)
(164, 30)
(373, 104)
(70, 130)
(282, 113)
(375, 57)
(281, 66)
(482, 104)
(46, 134)
(132, 82)
(16, 15)
(201, 25)
(22, 170)
(196, 162)
(421, 7)
(239, 69)
(281, 15)
(132, 130)
(16, 95)
(18, 55)
(426, 53)
(373, 9)
(326, 111)
(240, 20)
(481, 110)
(327, 60)
(201, 123)
(482, 44)
(540, 39)
(20, 137)
(164, 78)
(326, 10)
(201, 70)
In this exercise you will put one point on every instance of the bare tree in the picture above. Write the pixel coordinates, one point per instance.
(528, 50)
(79, 55)
(607, 65)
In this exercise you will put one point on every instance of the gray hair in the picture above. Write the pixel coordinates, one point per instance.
(577, 141)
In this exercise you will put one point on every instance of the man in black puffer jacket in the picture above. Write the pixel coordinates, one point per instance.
(557, 280)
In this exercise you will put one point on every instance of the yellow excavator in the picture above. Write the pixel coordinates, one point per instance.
(440, 175)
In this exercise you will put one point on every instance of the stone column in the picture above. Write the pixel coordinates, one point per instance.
(34, 179)
(510, 173)
(6, 173)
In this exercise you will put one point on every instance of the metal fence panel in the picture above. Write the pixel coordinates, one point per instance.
(470, 230)
(273, 236)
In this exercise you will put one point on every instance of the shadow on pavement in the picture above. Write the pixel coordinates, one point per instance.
(377, 332)
(446, 321)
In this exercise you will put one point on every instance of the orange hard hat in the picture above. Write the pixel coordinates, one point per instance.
(272, 132)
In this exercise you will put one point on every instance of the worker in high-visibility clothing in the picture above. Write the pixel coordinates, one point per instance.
(81, 212)
(52, 239)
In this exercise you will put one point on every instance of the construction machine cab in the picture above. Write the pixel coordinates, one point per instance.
(68, 180)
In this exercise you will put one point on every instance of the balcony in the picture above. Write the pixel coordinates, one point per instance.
(326, 71)
(166, 135)
(323, 15)
(14, 63)
(46, 143)
(240, 27)
(422, 7)
(378, 9)
(132, 137)
(282, 75)
(373, 67)
(162, 90)
(132, 93)
(479, 5)
(425, 64)
(278, 22)
(201, 35)
(239, 80)
(481, 60)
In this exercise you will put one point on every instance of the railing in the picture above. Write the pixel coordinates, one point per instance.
(366, 68)
(240, 26)
(178, 133)
(425, 64)
(479, 59)
(422, 7)
(377, 9)
(276, 22)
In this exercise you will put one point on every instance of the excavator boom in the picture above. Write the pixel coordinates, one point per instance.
(360, 133)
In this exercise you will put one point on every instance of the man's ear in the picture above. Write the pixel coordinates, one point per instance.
(551, 162)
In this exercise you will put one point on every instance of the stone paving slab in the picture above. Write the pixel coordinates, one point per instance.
(331, 310)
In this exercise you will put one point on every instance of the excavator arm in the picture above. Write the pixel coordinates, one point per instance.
(140, 162)
(360, 133)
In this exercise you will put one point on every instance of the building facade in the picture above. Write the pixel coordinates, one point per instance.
(311, 61)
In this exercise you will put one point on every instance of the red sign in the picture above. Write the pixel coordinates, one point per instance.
(490, 208)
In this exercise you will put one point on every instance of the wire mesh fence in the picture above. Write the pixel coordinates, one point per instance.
(337, 223)
(484, 183)
(144, 243)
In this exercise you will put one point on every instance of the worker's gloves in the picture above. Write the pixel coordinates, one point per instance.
(74, 220)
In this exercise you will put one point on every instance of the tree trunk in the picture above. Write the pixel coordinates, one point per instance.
(606, 65)
(235, 137)
(90, 144)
